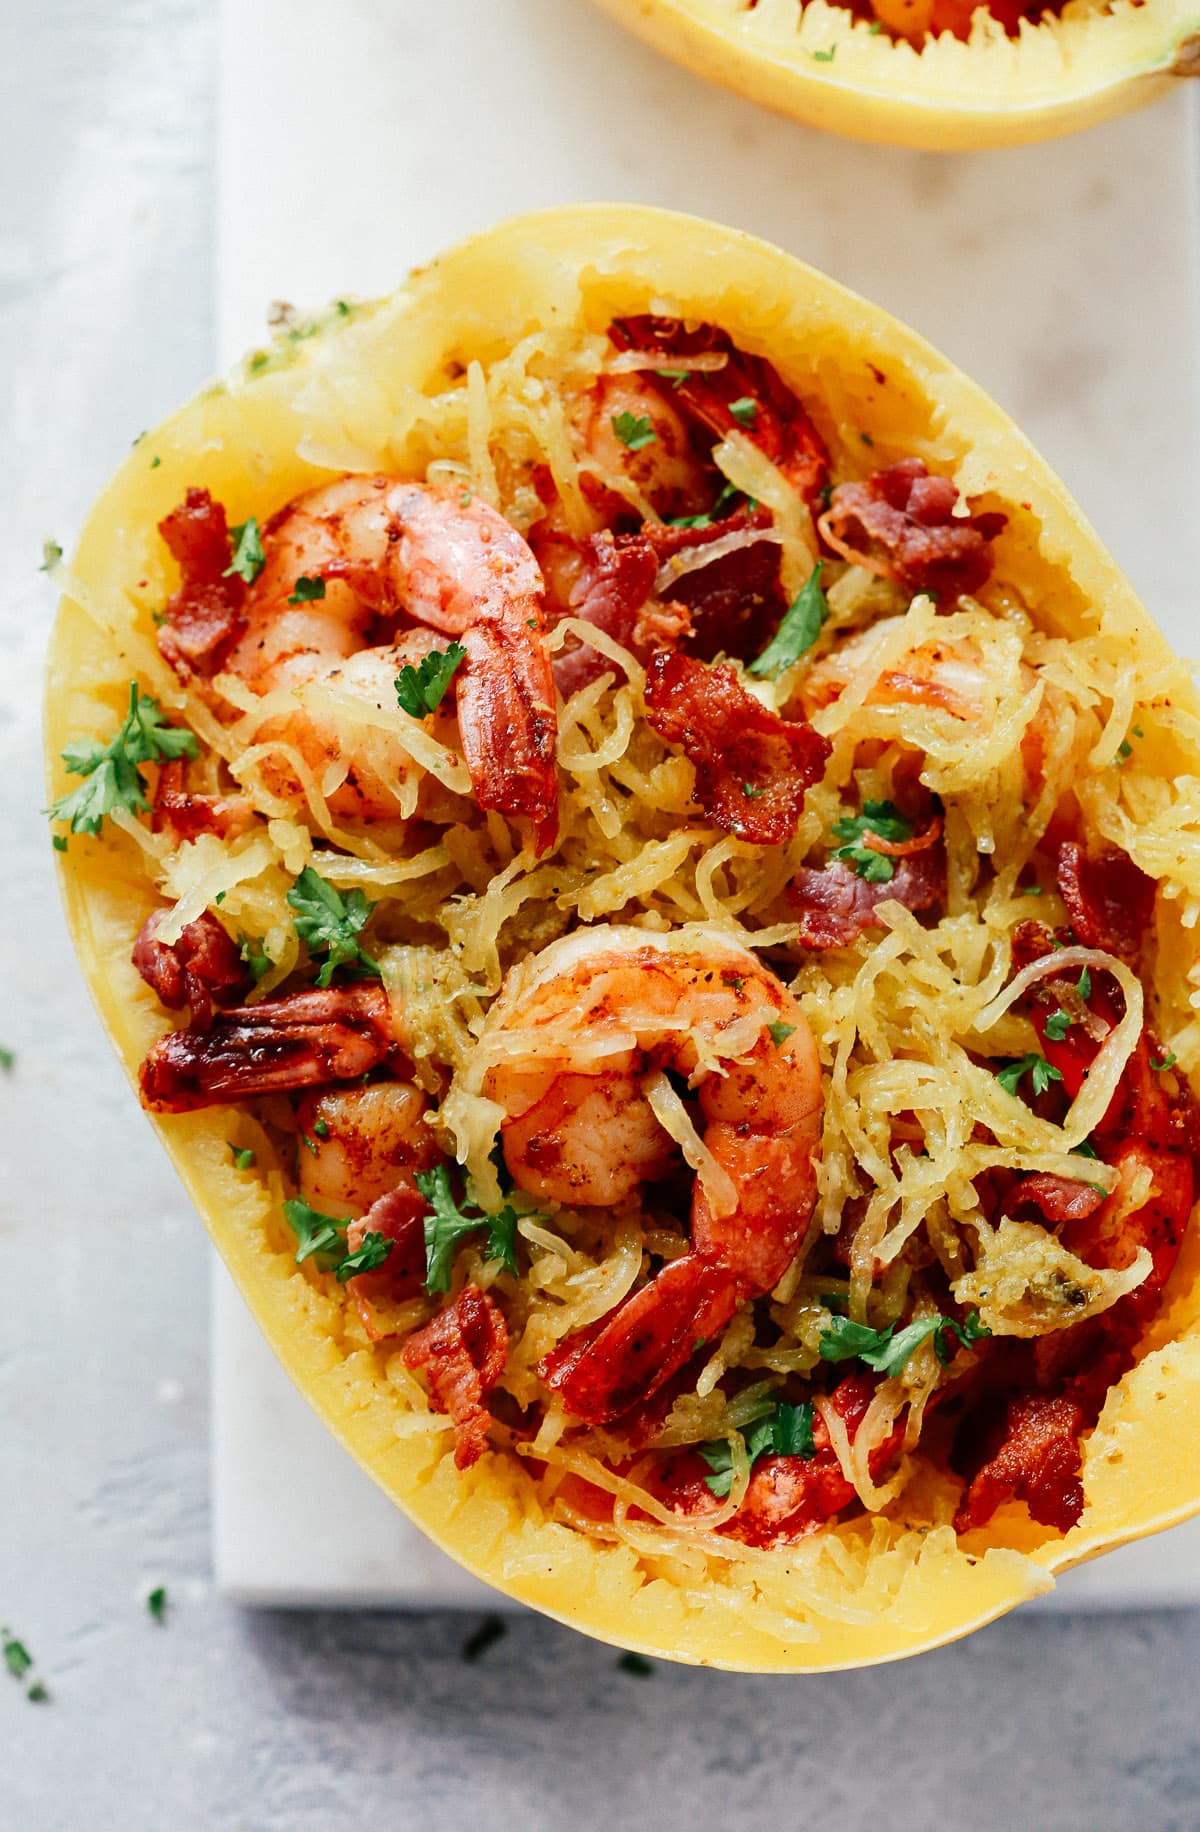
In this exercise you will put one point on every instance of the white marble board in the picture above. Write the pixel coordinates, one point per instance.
(358, 141)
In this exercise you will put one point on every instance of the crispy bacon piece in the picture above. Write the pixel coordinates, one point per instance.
(834, 905)
(608, 579)
(1029, 1451)
(400, 1217)
(196, 970)
(185, 816)
(901, 525)
(736, 601)
(300, 1041)
(778, 424)
(462, 1355)
(1052, 1200)
(1110, 900)
(753, 769)
(204, 619)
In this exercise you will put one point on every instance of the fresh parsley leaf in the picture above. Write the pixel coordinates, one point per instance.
(156, 1603)
(1030, 890)
(52, 553)
(1083, 985)
(1124, 751)
(370, 1253)
(1087, 1150)
(449, 1222)
(719, 1457)
(783, 1431)
(37, 1693)
(744, 410)
(308, 1144)
(255, 957)
(881, 818)
(8, 1060)
(420, 690)
(1041, 1073)
(328, 923)
(675, 376)
(1168, 1062)
(112, 779)
(636, 1665)
(780, 1032)
(634, 430)
(243, 1156)
(825, 57)
(17, 1657)
(793, 1433)
(321, 1129)
(248, 556)
(1057, 1025)
(316, 1234)
(307, 590)
(155, 462)
(750, 792)
(798, 629)
(888, 1350)
(59, 842)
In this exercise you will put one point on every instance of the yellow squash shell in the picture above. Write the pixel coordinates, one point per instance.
(325, 399)
(820, 64)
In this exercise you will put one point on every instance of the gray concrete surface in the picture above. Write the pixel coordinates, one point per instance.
(312, 1723)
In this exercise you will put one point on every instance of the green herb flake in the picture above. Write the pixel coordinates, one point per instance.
(634, 430)
(248, 556)
(636, 1665)
(255, 957)
(751, 793)
(1168, 1062)
(17, 1657)
(449, 1222)
(310, 1145)
(420, 690)
(368, 1256)
(321, 1129)
(887, 1351)
(308, 589)
(156, 1603)
(1083, 985)
(37, 1693)
(1030, 890)
(798, 629)
(112, 781)
(779, 1033)
(825, 57)
(1041, 1073)
(317, 1235)
(783, 1430)
(59, 842)
(744, 410)
(8, 1060)
(328, 923)
(52, 553)
(243, 1156)
(880, 818)
(155, 462)
(1057, 1026)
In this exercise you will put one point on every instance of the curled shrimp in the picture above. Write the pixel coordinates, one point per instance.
(402, 560)
(576, 1051)
(358, 1143)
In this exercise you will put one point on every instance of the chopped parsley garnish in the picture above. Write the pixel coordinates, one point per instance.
(52, 553)
(37, 1693)
(155, 462)
(881, 818)
(321, 1129)
(720, 508)
(744, 410)
(888, 1350)
(1168, 1062)
(17, 1657)
(316, 1234)
(1040, 1072)
(420, 690)
(59, 842)
(798, 629)
(780, 1032)
(243, 1156)
(8, 1060)
(1030, 890)
(255, 957)
(636, 1665)
(676, 377)
(248, 556)
(750, 792)
(449, 1222)
(307, 590)
(634, 430)
(328, 923)
(1083, 985)
(156, 1603)
(368, 1256)
(112, 781)
(308, 1144)
(784, 1431)
(825, 57)
(1057, 1025)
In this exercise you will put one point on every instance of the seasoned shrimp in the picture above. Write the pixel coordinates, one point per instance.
(576, 1051)
(942, 674)
(628, 429)
(359, 1142)
(384, 550)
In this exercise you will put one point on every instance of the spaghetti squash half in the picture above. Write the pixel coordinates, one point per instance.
(943, 74)
(644, 862)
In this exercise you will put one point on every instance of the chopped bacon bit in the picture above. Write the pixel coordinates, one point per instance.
(909, 515)
(835, 905)
(1051, 1199)
(613, 578)
(1031, 941)
(753, 769)
(185, 816)
(400, 1217)
(779, 424)
(301, 1041)
(1030, 1452)
(462, 1355)
(1110, 900)
(195, 970)
(204, 619)
(735, 603)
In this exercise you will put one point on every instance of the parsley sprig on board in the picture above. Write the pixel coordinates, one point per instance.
(112, 780)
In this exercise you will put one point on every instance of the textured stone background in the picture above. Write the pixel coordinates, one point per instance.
(311, 1723)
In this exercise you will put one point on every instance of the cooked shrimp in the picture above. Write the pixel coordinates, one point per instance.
(942, 674)
(358, 1142)
(387, 549)
(663, 467)
(576, 1051)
